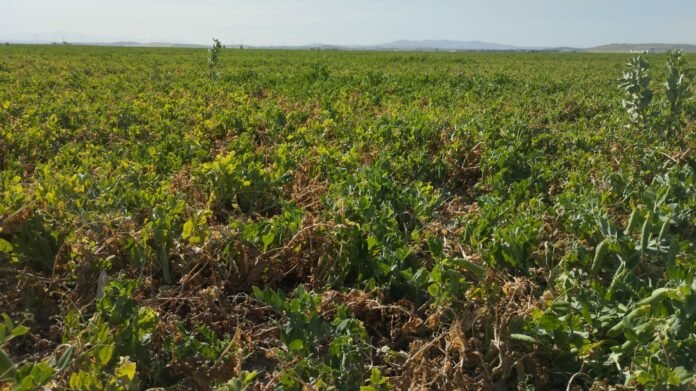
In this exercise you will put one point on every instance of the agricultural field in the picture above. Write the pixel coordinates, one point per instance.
(302, 220)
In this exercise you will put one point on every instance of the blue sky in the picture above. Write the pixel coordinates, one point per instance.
(292, 22)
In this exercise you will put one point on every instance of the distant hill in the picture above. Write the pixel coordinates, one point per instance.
(650, 47)
(445, 45)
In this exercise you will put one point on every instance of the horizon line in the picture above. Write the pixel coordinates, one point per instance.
(131, 42)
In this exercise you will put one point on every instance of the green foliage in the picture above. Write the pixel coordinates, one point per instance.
(377, 219)
(195, 229)
(114, 344)
(376, 382)
(450, 279)
(158, 231)
(677, 89)
(269, 234)
(200, 345)
(241, 383)
(647, 328)
(214, 59)
(24, 375)
(303, 330)
(441, 220)
(636, 85)
(95, 379)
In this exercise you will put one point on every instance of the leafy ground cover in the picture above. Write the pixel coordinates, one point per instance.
(337, 220)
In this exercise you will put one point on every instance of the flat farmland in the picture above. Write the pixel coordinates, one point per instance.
(307, 220)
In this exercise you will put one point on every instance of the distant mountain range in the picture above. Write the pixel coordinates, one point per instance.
(401, 45)
(427, 45)
(445, 45)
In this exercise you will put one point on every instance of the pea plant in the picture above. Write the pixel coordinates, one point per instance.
(636, 85)
(214, 59)
(676, 90)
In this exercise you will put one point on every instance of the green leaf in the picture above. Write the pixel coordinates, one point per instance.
(85, 380)
(296, 345)
(471, 267)
(433, 289)
(188, 229)
(250, 377)
(7, 323)
(678, 376)
(126, 370)
(372, 242)
(5, 246)
(19, 331)
(65, 358)
(41, 373)
(7, 370)
(76, 379)
(657, 296)
(104, 355)
(522, 338)
(268, 239)
(258, 292)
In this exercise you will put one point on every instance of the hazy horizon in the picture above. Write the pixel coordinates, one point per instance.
(542, 23)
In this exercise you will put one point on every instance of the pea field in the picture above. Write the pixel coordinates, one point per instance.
(226, 219)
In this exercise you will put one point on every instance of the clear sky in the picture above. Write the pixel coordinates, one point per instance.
(579, 23)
